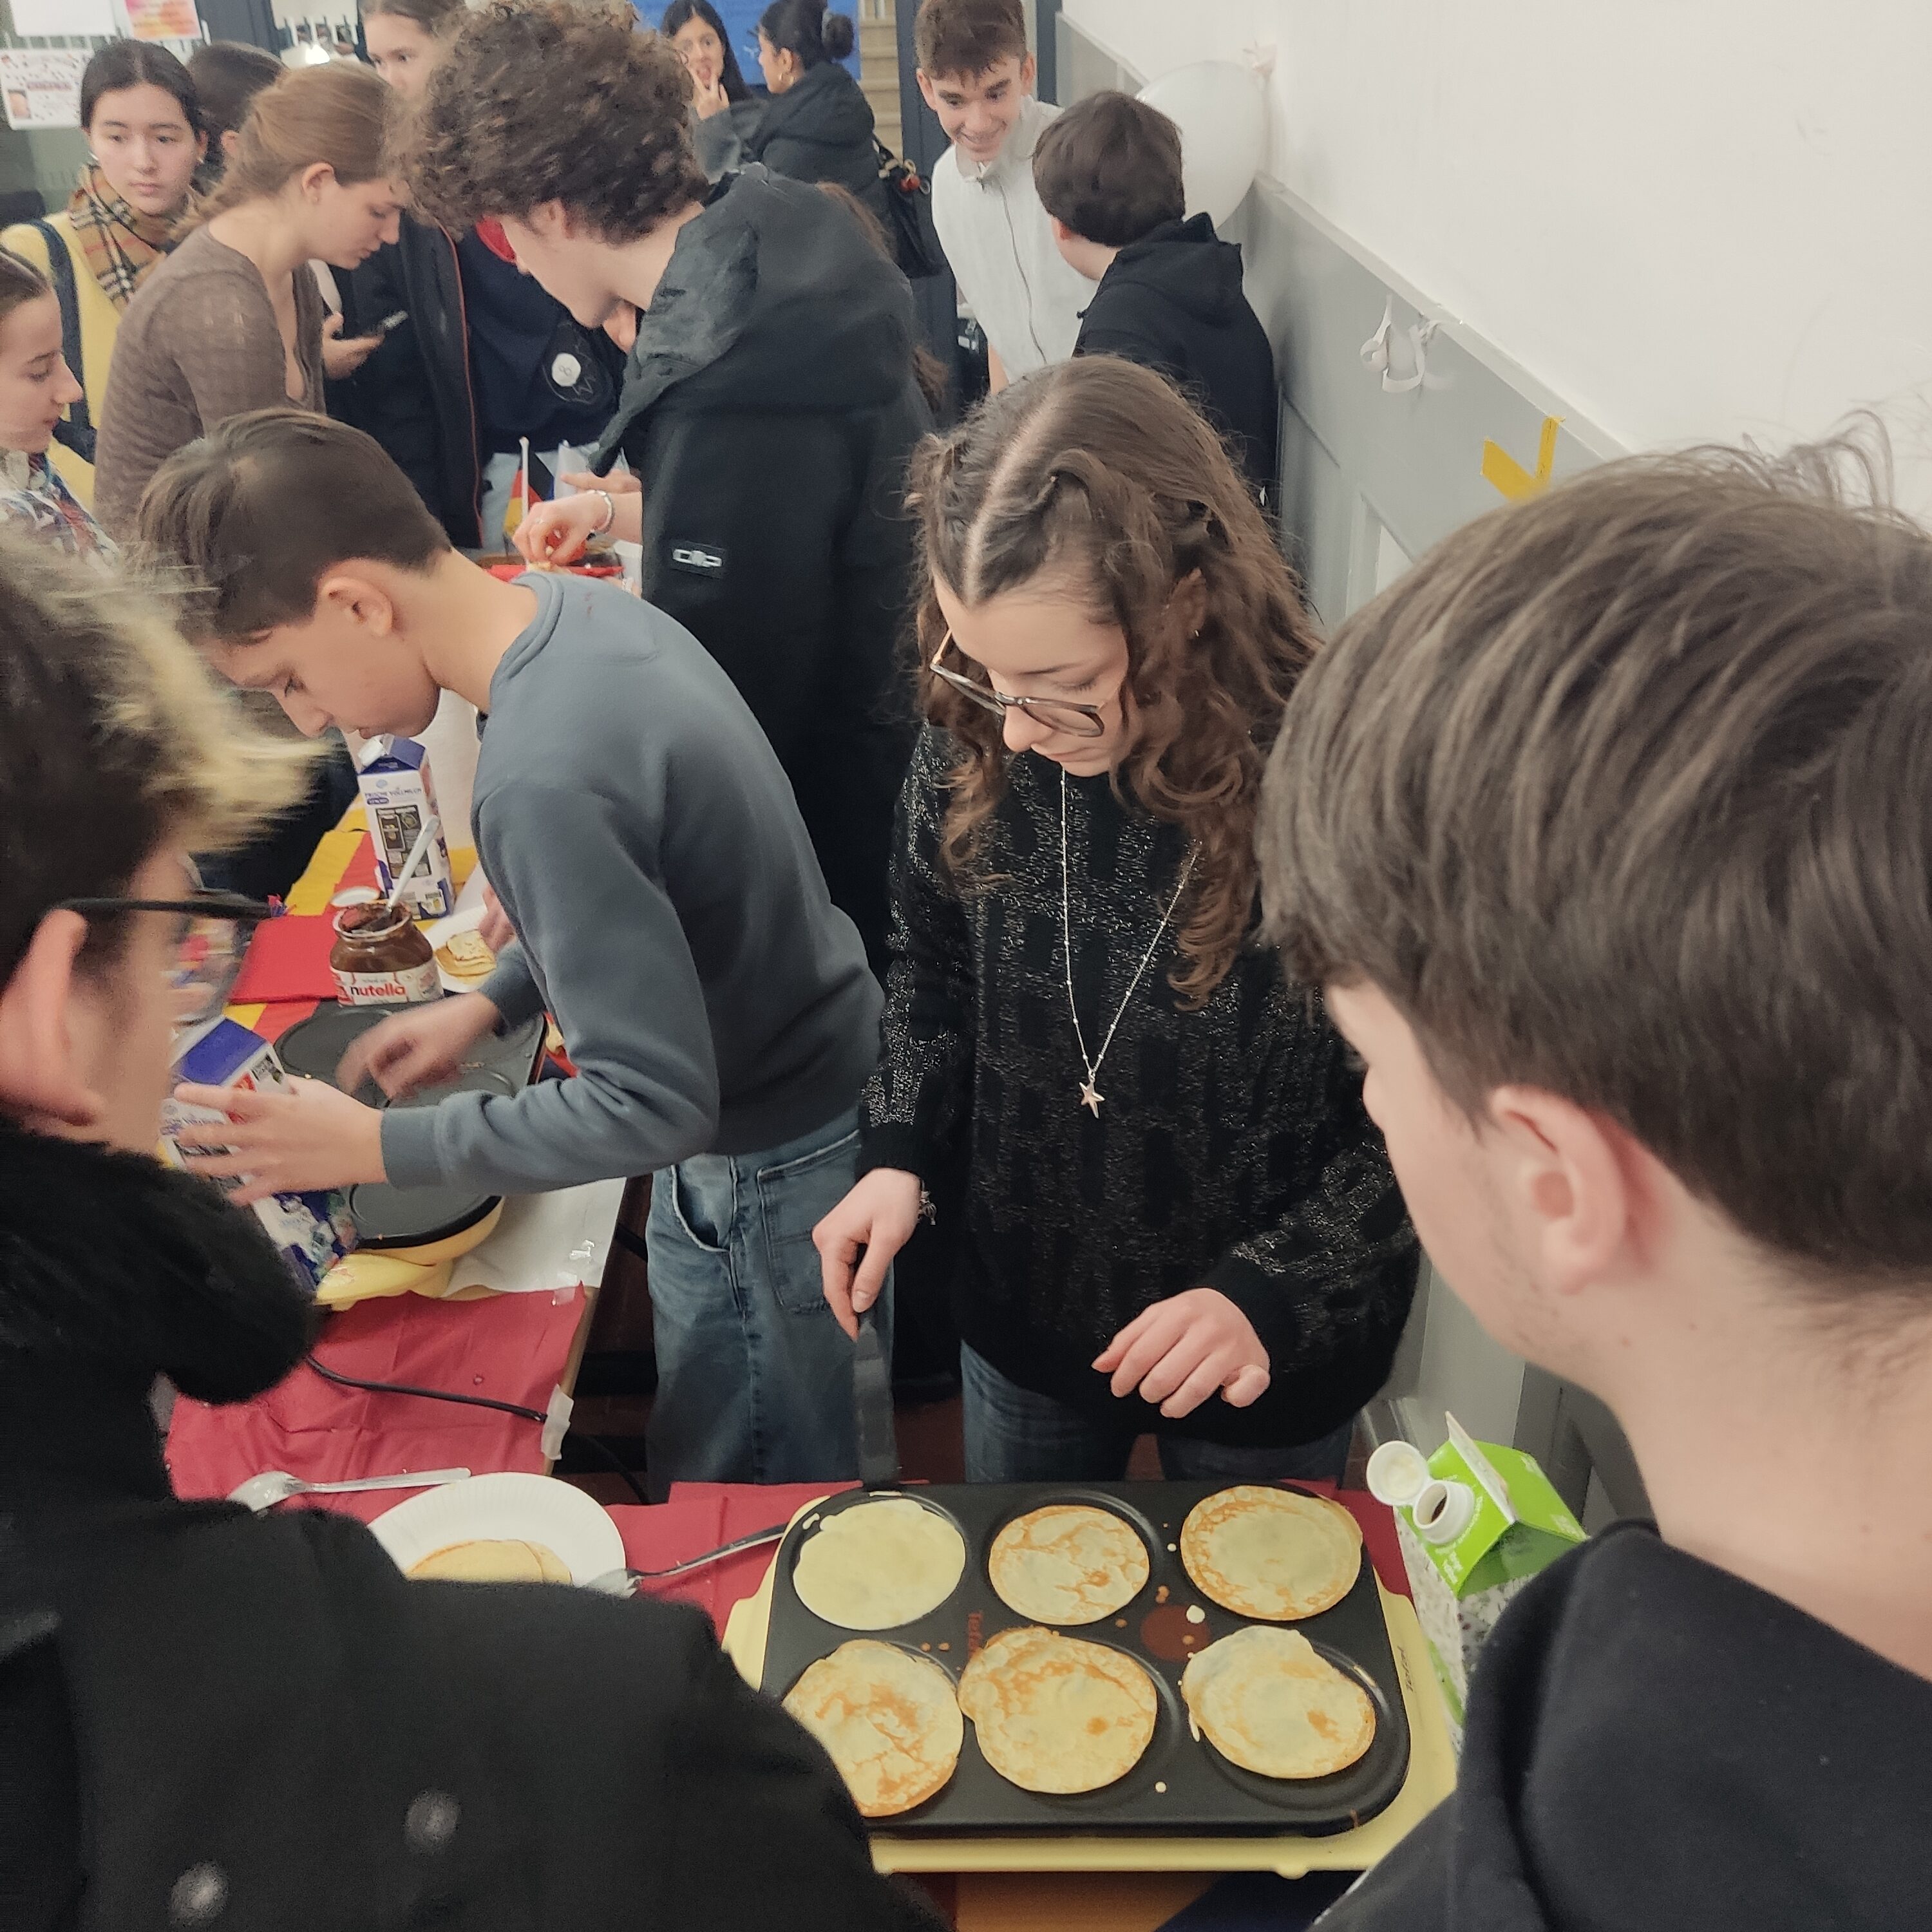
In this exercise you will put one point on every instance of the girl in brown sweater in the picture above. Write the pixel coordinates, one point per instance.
(233, 320)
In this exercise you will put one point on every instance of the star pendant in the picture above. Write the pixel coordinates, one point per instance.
(1090, 1097)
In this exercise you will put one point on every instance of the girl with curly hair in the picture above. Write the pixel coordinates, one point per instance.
(1177, 1215)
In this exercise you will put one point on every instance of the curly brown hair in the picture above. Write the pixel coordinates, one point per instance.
(552, 101)
(1098, 468)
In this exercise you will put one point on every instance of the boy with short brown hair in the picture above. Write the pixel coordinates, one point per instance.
(1608, 830)
(1109, 173)
(976, 74)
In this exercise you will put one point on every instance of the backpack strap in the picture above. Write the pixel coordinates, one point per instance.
(75, 429)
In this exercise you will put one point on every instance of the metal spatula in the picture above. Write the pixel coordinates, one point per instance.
(872, 1399)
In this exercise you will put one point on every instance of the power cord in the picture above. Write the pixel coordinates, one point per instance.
(522, 1409)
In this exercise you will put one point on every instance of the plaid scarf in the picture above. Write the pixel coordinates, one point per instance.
(118, 245)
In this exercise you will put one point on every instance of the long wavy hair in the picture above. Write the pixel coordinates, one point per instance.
(1097, 470)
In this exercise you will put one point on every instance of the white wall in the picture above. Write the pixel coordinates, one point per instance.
(1689, 218)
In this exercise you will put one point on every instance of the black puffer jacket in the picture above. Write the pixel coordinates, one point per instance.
(413, 393)
(212, 1719)
(769, 409)
(1173, 301)
(821, 130)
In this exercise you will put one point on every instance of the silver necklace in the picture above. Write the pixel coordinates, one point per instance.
(1090, 1095)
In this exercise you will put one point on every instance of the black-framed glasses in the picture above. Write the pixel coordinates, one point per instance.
(1057, 714)
(216, 928)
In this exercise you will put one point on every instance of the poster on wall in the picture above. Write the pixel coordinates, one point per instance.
(41, 87)
(33, 18)
(163, 20)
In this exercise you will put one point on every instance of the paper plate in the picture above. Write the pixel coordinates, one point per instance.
(514, 1507)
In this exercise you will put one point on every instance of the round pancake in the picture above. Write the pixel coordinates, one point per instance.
(877, 1565)
(493, 1560)
(1067, 1563)
(1267, 1700)
(1055, 1713)
(889, 1719)
(1272, 1553)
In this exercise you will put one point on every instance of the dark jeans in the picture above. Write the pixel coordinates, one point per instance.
(1015, 1435)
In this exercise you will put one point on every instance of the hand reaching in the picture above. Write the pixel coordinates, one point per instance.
(1178, 1352)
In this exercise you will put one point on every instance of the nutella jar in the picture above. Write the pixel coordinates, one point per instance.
(379, 959)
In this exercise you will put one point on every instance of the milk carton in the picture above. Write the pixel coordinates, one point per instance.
(1476, 1521)
(399, 796)
(313, 1230)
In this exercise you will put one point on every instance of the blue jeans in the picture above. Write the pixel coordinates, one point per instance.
(754, 1377)
(1015, 1435)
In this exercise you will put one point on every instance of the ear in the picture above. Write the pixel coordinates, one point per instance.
(201, 146)
(549, 221)
(345, 594)
(231, 142)
(926, 89)
(1570, 1179)
(38, 1079)
(314, 177)
(1062, 233)
(1190, 603)
(1029, 72)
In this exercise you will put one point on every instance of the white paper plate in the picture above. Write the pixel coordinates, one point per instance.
(516, 1507)
(441, 933)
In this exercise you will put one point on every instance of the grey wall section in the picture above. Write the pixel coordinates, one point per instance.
(1372, 476)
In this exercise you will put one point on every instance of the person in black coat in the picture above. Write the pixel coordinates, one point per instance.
(817, 126)
(211, 1718)
(769, 409)
(1170, 294)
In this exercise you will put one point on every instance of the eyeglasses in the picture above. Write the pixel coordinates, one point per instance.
(1057, 714)
(216, 930)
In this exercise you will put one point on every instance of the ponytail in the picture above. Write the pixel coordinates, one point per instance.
(808, 29)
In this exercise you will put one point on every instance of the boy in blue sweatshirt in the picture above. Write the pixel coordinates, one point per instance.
(645, 845)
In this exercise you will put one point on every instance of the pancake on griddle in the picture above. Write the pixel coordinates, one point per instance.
(492, 1560)
(1272, 1553)
(1056, 1713)
(1067, 1563)
(1268, 1700)
(888, 1721)
(879, 1564)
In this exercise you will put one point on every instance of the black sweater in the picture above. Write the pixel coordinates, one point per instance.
(1173, 301)
(207, 1717)
(1232, 1152)
(1653, 1743)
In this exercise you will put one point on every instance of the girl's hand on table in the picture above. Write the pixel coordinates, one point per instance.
(1178, 1352)
(857, 1241)
(285, 1140)
(422, 1046)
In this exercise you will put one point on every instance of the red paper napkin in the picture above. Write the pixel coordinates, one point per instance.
(288, 959)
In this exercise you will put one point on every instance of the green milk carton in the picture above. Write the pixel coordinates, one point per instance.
(1476, 1521)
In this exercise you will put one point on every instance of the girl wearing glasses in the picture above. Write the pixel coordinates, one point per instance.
(1177, 1215)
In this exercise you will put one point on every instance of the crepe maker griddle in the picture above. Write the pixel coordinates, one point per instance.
(1182, 1785)
(404, 1217)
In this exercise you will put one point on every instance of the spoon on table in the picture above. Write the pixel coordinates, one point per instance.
(276, 1486)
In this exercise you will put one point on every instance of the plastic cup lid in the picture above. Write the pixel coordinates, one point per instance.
(1396, 1473)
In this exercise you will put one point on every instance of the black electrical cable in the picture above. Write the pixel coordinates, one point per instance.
(522, 1409)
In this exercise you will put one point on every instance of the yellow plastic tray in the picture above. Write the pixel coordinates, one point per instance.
(1431, 1777)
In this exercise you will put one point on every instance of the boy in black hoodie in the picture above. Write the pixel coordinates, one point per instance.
(768, 408)
(1608, 830)
(1108, 174)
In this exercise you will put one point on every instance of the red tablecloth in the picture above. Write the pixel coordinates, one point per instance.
(512, 1347)
(702, 1515)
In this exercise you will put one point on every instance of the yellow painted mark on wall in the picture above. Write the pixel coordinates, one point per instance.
(1502, 471)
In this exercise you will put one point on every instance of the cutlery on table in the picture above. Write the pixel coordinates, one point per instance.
(275, 1486)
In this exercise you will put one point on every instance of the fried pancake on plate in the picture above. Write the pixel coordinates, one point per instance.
(1068, 1563)
(879, 1564)
(889, 1721)
(1272, 1553)
(1055, 1713)
(1267, 1700)
(464, 955)
(493, 1560)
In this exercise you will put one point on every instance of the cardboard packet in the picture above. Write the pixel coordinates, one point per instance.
(313, 1230)
(399, 796)
(1476, 1522)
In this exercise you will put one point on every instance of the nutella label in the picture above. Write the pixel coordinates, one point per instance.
(391, 988)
